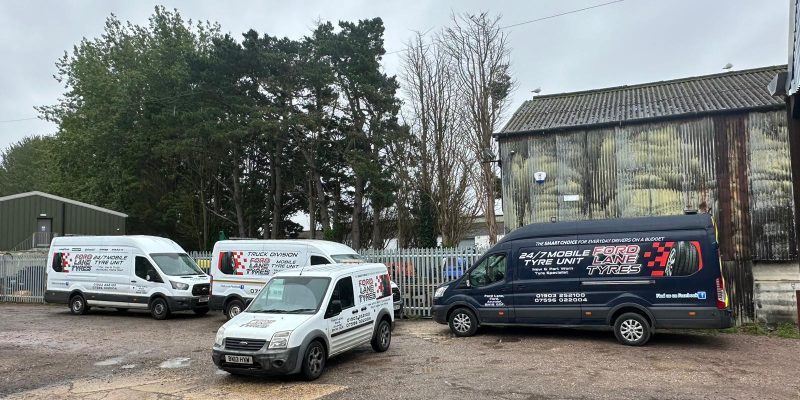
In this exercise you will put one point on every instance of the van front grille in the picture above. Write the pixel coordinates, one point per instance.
(201, 289)
(240, 344)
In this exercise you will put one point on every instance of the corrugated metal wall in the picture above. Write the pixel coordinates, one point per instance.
(737, 166)
(18, 219)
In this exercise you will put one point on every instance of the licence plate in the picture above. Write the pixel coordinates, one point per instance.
(239, 359)
(203, 299)
(397, 306)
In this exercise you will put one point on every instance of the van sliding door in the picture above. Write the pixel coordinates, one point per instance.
(546, 284)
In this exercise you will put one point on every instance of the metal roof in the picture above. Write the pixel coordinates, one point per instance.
(65, 200)
(727, 91)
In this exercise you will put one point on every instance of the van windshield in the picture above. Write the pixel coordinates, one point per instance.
(347, 258)
(290, 295)
(175, 264)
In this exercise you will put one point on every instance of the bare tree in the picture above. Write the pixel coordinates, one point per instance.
(439, 122)
(480, 53)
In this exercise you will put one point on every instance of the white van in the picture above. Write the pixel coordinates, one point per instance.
(125, 272)
(303, 317)
(240, 268)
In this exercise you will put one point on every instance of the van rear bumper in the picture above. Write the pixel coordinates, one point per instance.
(704, 318)
(56, 296)
(267, 362)
(216, 302)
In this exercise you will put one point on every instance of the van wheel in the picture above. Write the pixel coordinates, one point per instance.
(201, 311)
(313, 361)
(234, 308)
(159, 309)
(632, 329)
(383, 337)
(77, 305)
(463, 322)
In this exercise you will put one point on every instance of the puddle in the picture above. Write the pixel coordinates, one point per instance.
(180, 362)
(109, 362)
(129, 366)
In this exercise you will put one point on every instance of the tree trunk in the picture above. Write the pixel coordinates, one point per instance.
(491, 220)
(237, 197)
(277, 195)
(312, 210)
(358, 204)
(377, 238)
(324, 216)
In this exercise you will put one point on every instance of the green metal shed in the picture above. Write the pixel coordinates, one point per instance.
(31, 220)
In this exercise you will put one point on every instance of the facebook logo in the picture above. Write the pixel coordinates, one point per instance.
(701, 295)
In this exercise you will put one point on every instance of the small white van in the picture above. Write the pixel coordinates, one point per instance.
(125, 272)
(240, 268)
(304, 316)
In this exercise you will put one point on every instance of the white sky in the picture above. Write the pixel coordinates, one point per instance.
(634, 41)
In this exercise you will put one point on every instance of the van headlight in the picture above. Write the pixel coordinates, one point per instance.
(440, 291)
(220, 338)
(179, 285)
(280, 340)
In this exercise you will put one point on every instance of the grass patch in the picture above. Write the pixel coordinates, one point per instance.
(784, 330)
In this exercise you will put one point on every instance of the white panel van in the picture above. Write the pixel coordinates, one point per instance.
(240, 268)
(304, 316)
(125, 272)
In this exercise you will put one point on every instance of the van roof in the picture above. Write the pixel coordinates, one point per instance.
(324, 246)
(149, 244)
(333, 270)
(618, 225)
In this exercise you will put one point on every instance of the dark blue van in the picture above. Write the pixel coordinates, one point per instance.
(633, 274)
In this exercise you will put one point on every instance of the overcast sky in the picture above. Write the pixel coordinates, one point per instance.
(630, 42)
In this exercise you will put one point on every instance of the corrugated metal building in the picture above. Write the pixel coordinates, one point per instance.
(30, 220)
(716, 143)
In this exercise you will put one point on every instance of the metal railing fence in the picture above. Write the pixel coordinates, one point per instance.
(22, 277)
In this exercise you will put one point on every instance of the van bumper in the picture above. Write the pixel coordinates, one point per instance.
(704, 318)
(265, 362)
(439, 313)
(185, 303)
(216, 302)
(56, 296)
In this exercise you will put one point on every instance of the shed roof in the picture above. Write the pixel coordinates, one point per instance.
(64, 199)
(727, 91)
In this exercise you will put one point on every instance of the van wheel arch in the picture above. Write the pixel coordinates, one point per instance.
(630, 308)
(463, 305)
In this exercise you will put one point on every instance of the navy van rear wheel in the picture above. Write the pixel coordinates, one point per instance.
(463, 322)
(632, 329)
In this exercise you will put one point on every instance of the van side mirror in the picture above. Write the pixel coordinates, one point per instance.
(334, 309)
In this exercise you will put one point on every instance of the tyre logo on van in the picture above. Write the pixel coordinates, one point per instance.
(615, 260)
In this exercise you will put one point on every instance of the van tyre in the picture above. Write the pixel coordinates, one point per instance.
(77, 305)
(159, 309)
(632, 329)
(463, 322)
(234, 308)
(383, 337)
(313, 361)
(201, 311)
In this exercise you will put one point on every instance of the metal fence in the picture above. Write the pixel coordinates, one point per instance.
(416, 272)
(22, 277)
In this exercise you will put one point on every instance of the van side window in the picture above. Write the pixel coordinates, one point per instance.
(492, 269)
(58, 263)
(683, 260)
(319, 260)
(343, 292)
(226, 263)
(144, 268)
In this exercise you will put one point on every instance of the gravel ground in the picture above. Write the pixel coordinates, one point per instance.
(47, 353)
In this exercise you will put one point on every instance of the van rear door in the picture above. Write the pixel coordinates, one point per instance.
(546, 281)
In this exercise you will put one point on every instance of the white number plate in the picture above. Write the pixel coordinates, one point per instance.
(203, 299)
(239, 359)
(397, 306)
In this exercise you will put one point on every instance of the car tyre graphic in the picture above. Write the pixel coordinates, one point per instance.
(159, 309)
(463, 322)
(383, 337)
(313, 361)
(632, 329)
(234, 308)
(77, 305)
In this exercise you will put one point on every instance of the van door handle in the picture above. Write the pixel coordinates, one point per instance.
(133, 281)
(363, 308)
(355, 311)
